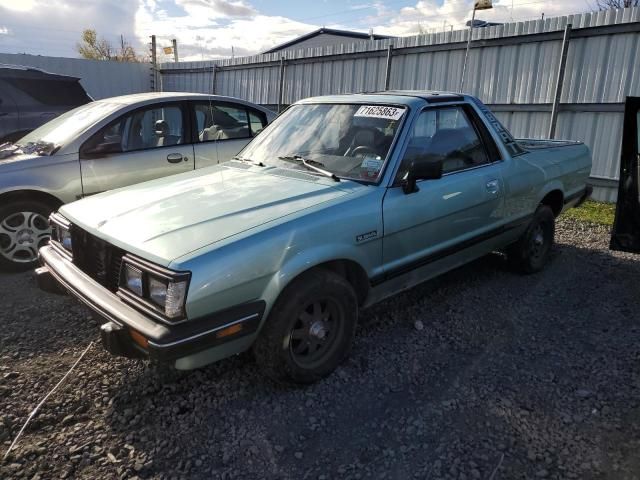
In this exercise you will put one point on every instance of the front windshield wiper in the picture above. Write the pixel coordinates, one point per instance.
(243, 159)
(306, 163)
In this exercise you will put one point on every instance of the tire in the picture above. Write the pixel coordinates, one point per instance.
(310, 329)
(531, 252)
(24, 228)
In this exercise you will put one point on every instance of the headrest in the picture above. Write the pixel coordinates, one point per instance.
(161, 128)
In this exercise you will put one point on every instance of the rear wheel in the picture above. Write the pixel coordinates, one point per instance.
(310, 329)
(24, 228)
(531, 252)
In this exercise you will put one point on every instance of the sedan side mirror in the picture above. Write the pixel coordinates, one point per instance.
(421, 169)
(104, 148)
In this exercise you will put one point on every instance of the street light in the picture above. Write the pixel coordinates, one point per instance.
(478, 5)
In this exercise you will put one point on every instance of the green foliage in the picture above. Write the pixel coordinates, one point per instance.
(593, 212)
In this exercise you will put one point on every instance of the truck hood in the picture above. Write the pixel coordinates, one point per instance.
(167, 218)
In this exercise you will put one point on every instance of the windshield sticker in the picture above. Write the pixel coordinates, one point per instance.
(380, 111)
(371, 166)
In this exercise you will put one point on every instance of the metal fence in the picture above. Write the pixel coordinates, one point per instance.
(99, 78)
(513, 68)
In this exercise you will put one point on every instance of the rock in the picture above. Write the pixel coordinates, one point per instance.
(298, 455)
(11, 375)
(418, 325)
(67, 420)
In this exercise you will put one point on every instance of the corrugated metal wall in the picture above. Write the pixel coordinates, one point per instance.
(512, 68)
(100, 79)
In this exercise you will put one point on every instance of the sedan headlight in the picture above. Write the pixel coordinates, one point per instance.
(154, 288)
(60, 231)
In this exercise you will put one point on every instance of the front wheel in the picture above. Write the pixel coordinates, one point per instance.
(531, 252)
(24, 228)
(310, 329)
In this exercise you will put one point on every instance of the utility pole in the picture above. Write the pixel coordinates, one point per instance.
(174, 42)
(154, 64)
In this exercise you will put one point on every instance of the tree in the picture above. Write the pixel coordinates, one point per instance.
(607, 4)
(95, 48)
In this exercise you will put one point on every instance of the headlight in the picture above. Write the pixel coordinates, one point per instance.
(60, 231)
(133, 279)
(161, 290)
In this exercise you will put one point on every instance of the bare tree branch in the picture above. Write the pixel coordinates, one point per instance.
(608, 4)
(95, 48)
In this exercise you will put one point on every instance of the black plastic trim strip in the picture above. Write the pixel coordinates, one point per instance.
(445, 252)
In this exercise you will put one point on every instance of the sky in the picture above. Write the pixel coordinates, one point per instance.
(210, 29)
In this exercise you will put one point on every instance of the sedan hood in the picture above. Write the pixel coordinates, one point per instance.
(167, 218)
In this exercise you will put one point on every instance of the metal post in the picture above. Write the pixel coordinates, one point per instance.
(281, 87)
(387, 73)
(174, 42)
(466, 53)
(213, 79)
(560, 80)
(154, 64)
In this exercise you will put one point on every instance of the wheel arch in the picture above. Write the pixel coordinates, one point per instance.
(351, 270)
(30, 195)
(554, 199)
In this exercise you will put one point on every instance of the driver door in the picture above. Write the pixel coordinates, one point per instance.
(144, 144)
(434, 226)
(626, 227)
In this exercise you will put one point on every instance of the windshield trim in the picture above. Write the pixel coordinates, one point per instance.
(392, 148)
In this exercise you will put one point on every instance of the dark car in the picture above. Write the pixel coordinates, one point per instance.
(30, 97)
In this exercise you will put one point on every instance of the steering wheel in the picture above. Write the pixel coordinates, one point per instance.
(361, 151)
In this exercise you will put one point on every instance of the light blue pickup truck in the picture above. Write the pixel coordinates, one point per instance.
(340, 202)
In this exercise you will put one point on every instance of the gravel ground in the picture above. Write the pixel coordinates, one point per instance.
(480, 374)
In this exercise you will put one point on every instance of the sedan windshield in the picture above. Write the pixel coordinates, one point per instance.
(65, 127)
(346, 140)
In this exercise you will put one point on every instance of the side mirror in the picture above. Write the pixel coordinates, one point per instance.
(421, 169)
(104, 148)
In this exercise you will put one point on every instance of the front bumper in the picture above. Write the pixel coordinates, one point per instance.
(130, 333)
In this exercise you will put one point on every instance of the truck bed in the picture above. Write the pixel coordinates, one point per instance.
(537, 144)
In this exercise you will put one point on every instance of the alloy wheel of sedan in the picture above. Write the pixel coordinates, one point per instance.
(22, 234)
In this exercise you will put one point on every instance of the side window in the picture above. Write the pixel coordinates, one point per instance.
(143, 129)
(218, 121)
(447, 135)
(257, 121)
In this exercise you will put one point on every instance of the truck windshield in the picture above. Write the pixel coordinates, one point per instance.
(349, 140)
(65, 127)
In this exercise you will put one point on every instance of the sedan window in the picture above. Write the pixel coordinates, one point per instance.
(221, 121)
(142, 129)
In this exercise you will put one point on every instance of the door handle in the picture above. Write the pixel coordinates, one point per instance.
(174, 158)
(493, 186)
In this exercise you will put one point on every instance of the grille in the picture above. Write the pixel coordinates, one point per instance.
(97, 258)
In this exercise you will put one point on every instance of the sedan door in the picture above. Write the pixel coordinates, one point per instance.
(143, 144)
(430, 226)
(223, 129)
(626, 227)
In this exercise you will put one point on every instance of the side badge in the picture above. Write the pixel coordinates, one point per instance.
(366, 236)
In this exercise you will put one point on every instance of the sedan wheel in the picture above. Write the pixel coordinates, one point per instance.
(23, 231)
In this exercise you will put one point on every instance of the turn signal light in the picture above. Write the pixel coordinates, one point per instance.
(233, 329)
(139, 339)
